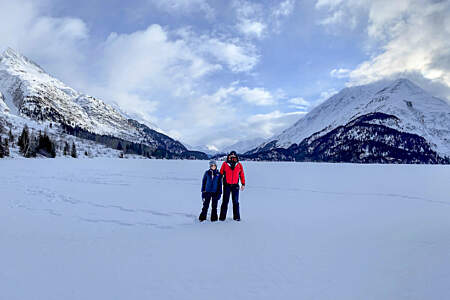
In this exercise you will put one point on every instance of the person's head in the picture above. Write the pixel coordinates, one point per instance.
(233, 156)
(212, 164)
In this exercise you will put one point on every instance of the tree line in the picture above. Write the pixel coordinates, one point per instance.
(4, 143)
(128, 147)
(31, 145)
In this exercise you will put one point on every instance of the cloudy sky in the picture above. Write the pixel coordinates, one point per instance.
(215, 72)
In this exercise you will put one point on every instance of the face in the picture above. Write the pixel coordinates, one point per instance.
(213, 167)
(233, 157)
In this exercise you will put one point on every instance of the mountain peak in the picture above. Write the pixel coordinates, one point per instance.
(404, 81)
(403, 84)
(419, 113)
(12, 57)
(10, 52)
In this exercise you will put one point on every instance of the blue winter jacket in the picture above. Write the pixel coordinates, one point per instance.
(212, 182)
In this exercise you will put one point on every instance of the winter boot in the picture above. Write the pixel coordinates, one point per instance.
(214, 216)
(202, 217)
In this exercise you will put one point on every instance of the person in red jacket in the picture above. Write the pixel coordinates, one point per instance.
(232, 171)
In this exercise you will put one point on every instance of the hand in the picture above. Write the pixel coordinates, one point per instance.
(242, 187)
(203, 195)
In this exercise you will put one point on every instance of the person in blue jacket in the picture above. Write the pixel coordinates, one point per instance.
(211, 191)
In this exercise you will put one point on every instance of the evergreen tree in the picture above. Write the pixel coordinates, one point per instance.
(6, 147)
(24, 142)
(11, 136)
(2, 151)
(46, 146)
(74, 151)
(66, 148)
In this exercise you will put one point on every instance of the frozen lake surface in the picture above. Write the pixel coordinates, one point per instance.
(127, 229)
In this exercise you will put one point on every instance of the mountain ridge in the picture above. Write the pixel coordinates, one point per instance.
(28, 91)
(418, 113)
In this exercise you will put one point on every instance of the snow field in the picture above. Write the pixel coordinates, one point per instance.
(127, 229)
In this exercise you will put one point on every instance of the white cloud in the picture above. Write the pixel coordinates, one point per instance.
(149, 59)
(249, 27)
(335, 17)
(239, 58)
(250, 18)
(256, 20)
(285, 8)
(155, 65)
(223, 117)
(257, 96)
(236, 55)
(267, 125)
(185, 6)
(262, 125)
(328, 3)
(409, 38)
(54, 42)
(299, 101)
(340, 73)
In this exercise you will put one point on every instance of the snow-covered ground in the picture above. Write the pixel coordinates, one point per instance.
(127, 229)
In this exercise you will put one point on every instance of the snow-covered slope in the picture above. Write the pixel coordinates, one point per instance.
(417, 111)
(244, 145)
(3, 106)
(30, 92)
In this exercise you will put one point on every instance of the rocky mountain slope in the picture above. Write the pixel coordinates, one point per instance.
(29, 92)
(3, 106)
(381, 122)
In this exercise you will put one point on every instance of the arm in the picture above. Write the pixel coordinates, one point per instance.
(241, 174)
(222, 173)
(204, 182)
(219, 186)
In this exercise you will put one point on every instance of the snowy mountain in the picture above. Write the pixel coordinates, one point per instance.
(380, 122)
(203, 148)
(240, 147)
(28, 91)
(3, 106)
(244, 145)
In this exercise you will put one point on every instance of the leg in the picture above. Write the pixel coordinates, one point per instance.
(204, 212)
(235, 198)
(225, 199)
(214, 201)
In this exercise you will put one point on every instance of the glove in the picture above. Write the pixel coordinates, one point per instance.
(203, 195)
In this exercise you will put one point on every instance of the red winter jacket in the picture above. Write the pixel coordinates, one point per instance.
(232, 176)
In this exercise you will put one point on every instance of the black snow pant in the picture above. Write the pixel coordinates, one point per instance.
(214, 199)
(234, 191)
